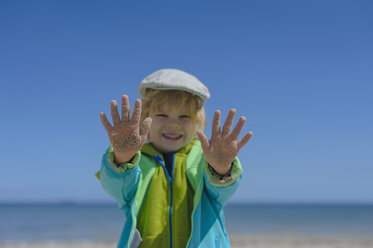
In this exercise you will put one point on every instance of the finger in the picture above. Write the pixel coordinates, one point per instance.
(144, 130)
(228, 122)
(237, 129)
(136, 113)
(216, 124)
(244, 140)
(114, 112)
(203, 139)
(108, 127)
(125, 114)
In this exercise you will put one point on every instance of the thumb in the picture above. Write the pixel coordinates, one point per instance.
(144, 130)
(203, 139)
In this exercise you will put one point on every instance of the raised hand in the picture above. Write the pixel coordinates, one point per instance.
(223, 147)
(126, 136)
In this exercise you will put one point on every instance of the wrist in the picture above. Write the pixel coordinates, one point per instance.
(120, 158)
(222, 171)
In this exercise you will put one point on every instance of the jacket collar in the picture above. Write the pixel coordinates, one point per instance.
(194, 171)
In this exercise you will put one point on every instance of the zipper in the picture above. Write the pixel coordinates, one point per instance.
(170, 180)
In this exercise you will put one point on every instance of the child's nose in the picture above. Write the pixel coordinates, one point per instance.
(173, 125)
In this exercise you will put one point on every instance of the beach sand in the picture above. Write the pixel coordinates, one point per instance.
(300, 242)
(237, 241)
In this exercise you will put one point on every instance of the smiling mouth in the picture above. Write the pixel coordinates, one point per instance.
(172, 137)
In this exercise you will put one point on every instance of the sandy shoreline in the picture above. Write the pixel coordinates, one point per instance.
(237, 241)
(300, 241)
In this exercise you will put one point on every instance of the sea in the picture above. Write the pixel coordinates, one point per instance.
(74, 222)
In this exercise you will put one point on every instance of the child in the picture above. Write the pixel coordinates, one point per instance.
(170, 186)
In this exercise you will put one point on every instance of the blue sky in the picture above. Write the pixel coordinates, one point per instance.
(300, 71)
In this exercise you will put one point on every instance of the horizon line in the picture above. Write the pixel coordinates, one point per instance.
(76, 202)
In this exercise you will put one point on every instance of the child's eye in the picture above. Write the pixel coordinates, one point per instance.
(184, 116)
(161, 115)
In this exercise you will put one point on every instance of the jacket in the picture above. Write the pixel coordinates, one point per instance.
(128, 185)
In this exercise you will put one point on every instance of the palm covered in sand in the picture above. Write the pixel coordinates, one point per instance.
(126, 136)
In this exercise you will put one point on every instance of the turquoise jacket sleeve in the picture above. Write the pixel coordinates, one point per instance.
(120, 183)
(219, 190)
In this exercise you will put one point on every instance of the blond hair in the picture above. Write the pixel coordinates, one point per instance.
(153, 100)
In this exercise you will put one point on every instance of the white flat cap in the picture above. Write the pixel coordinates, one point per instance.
(174, 79)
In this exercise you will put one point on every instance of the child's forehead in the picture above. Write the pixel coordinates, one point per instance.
(172, 108)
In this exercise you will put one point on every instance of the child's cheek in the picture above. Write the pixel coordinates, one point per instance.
(194, 125)
(189, 123)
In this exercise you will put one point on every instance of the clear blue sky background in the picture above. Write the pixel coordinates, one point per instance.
(300, 71)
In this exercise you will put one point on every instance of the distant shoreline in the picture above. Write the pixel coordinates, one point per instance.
(229, 204)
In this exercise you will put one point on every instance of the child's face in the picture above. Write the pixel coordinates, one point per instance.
(172, 129)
